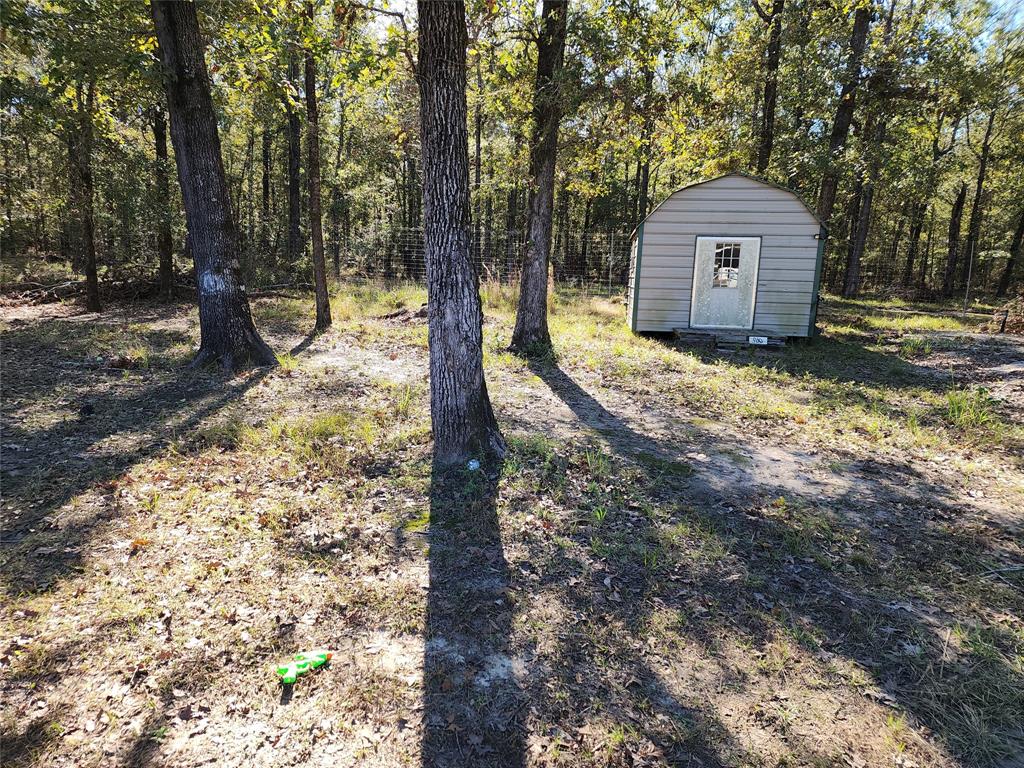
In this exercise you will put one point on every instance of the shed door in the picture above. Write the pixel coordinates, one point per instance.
(724, 282)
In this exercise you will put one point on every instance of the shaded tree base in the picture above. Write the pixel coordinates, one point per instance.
(254, 353)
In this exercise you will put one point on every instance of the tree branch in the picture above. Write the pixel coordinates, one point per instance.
(765, 17)
(406, 49)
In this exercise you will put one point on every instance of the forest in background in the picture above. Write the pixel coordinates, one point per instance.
(900, 122)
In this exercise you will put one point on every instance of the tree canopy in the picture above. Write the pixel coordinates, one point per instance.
(653, 94)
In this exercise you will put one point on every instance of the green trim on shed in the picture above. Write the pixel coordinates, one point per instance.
(822, 237)
(636, 275)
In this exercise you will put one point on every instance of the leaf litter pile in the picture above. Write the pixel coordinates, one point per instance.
(812, 558)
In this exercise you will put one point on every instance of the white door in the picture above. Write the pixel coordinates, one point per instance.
(724, 282)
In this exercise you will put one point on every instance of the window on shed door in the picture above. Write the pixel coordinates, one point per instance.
(727, 265)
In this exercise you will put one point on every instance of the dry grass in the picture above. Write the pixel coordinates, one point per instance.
(738, 560)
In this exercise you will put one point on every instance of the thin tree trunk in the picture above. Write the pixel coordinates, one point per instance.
(773, 54)
(953, 248)
(461, 416)
(585, 240)
(227, 332)
(337, 199)
(1015, 253)
(82, 156)
(489, 212)
(844, 112)
(531, 329)
(294, 131)
(916, 227)
(926, 261)
(510, 228)
(643, 169)
(323, 303)
(478, 120)
(559, 256)
(265, 146)
(71, 241)
(636, 197)
(852, 282)
(977, 207)
(164, 239)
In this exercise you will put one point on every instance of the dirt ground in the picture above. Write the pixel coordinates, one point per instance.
(687, 558)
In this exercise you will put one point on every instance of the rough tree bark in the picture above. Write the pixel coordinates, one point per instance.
(977, 207)
(460, 411)
(228, 335)
(1015, 253)
(531, 329)
(164, 239)
(293, 251)
(323, 303)
(84, 190)
(844, 112)
(773, 54)
(953, 248)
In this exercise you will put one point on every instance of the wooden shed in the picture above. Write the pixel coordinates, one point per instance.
(733, 254)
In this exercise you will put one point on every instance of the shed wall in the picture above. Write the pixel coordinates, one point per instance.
(731, 206)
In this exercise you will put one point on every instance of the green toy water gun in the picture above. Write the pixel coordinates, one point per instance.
(301, 664)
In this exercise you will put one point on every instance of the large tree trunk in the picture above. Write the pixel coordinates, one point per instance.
(293, 250)
(228, 334)
(460, 410)
(164, 239)
(323, 304)
(977, 207)
(84, 188)
(773, 54)
(531, 329)
(953, 248)
(1011, 262)
(844, 112)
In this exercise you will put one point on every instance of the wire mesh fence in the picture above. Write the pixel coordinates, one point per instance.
(597, 261)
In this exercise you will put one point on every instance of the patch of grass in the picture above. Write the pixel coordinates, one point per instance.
(599, 464)
(916, 346)
(970, 409)
(225, 434)
(288, 362)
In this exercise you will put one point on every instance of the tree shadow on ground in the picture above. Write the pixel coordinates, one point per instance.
(113, 430)
(826, 358)
(473, 704)
(776, 575)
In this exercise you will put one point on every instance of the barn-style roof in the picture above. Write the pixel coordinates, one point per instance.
(750, 176)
